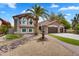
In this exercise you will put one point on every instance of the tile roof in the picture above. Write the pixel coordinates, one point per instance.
(49, 22)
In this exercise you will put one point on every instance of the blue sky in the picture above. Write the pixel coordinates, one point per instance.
(7, 10)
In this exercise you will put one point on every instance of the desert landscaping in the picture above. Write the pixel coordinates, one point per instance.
(37, 31)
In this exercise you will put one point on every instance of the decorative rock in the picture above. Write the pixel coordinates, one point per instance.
(12, 46)
(4, 48)
(15, 44)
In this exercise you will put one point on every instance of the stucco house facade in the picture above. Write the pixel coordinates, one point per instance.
(50, 26)
(23, 24)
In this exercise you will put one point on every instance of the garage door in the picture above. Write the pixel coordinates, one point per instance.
(52, 30)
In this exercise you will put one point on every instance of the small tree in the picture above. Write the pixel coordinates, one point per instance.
(4, 29)
(77, 28)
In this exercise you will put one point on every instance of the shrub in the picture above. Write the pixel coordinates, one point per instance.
(77, 29)
(77, 26)
(12, 36)
(3, 29)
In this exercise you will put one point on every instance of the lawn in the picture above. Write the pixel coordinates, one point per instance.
(12, 36)
(67, 40)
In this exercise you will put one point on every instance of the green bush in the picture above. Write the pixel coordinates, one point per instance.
(4, 29)
(77, 29)
(77, 26)
(12, 36)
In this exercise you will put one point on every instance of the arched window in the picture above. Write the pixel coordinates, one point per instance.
(30, 21)
(23, 20)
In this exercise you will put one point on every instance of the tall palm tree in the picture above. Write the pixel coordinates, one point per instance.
(37, 11)
(75, 21)
(61, 19)
(54, 16)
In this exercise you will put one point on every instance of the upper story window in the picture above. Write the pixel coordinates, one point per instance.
(24, 21)
(30, 21)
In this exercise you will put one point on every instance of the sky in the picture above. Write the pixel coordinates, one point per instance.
(7, 10)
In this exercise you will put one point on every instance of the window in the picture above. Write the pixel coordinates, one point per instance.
(30, 29)
(23, 29)
(24, 20)
(30, 21)
(20, 22)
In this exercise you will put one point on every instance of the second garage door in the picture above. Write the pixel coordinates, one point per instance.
(52, 30)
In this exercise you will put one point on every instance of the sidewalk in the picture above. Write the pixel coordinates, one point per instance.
(68, 35)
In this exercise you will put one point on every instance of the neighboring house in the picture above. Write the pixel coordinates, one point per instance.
(23, 24)
(3, 22)
(50, 26)
(6, 23)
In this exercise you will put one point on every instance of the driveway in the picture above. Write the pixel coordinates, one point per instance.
(73, 48)
(68, 35)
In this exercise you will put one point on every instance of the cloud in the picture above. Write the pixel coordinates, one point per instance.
(69, 8)
(68, 14)
(54, 6)
(2, 12)
(11, 5)
(24, 11)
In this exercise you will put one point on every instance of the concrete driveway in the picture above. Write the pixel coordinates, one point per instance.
(73, 48)
(68, 35)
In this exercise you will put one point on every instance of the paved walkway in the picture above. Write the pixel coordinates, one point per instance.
(68, 35)
(74, 49)
(2, 38)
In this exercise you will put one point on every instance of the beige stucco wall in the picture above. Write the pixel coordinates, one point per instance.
(19, 30)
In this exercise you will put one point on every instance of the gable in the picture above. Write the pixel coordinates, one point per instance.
(50, 23)
(54, 23)
(22, 15)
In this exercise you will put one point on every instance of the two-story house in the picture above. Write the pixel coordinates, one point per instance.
(23, 24)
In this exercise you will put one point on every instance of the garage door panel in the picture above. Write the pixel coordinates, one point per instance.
(52, 30)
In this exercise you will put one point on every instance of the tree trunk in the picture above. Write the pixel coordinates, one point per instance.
(43, 35)
(36, 27)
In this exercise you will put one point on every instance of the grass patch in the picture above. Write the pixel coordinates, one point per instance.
(67, 40)
(12, 36)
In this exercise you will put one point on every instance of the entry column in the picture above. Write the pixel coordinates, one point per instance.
(58, 29)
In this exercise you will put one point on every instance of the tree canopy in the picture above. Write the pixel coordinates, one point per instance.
(61, 19)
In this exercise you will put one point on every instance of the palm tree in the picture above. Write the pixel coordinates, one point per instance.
(37, 11)
(61, 19)
(75, 21)
(58, 17)
(54, 16)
